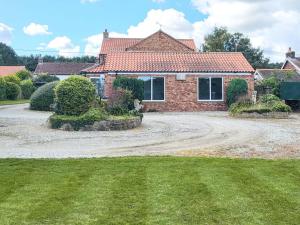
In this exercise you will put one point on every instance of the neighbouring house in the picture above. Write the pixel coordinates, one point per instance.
(9, 70)
(176, 76)
(61, 69)
(289, 74)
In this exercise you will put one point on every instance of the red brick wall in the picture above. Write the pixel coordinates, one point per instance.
(289, 66)
(182, 95)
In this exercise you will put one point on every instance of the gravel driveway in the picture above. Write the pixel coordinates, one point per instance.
(24, 134)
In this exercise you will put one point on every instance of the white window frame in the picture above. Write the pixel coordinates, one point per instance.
(210, 100)
(151, 79)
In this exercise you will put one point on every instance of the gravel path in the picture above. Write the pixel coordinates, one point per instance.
(24, 134)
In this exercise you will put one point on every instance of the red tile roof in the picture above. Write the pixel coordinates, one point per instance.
(174, 62)
(121, 44)
(8, 70)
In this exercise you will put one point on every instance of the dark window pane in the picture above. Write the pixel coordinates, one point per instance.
(216, 88)
(158, 88)
(147, 87)
(203, 89)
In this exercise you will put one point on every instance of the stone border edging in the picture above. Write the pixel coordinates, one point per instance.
(269, 115)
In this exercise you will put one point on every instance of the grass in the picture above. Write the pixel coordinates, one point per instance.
(149, 190)
(14, 102)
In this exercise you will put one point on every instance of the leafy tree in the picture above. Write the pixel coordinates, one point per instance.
(8, 56)
(220, 40)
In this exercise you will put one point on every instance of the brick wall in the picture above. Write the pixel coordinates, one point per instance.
(289, 66)
(182, 95)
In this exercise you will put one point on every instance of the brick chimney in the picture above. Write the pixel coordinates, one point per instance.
(290, 53)
(105, 34)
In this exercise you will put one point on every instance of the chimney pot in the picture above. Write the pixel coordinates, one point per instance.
(290, 53)
(105, 34)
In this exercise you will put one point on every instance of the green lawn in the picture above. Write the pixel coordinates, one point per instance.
(149, 190)
(13, 102)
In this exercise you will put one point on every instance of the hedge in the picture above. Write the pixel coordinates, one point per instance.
(74, 96)
(12, 91)
(42, 79)
(236, 88)
(77, 122)
(2, 89)
(27, 88)
(13, 79)
(23, 75)
(134, 85)
(43, 97)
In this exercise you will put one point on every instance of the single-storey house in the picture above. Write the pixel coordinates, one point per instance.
(177, 77)
(61, 69)
(9, 70)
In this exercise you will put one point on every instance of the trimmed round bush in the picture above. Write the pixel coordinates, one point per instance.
(23, 75)
(13, 79)
(27, 88)
(2, 89)
(236, 88)
(74, 96)
(12, 91)
(43, 97)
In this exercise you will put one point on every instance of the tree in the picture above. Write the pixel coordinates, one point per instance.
(8, 56)
(220, 40)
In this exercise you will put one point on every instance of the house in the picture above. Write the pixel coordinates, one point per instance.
(292, 62)
(8, 70)
(281, 74)
(176, 76)
(61, 69)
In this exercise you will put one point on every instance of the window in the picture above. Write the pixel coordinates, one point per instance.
(154, 88)
(210, 89)
(99, 84)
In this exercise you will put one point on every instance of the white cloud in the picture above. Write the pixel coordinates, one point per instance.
(88, 1)
(271, 25)
(5, 33)
(36, 29)
(158, 1)
(64, 46)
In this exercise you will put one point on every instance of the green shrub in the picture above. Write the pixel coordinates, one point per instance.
(12, 91)
(13, 79)
(121, 102)
(77, 122)
(23, 75)
(2, 89)
(74, 96)
(268, 98)
(134, 85)
(42, 79)
(27, 88)
(280, 107)
(236, 88)
(43, 97)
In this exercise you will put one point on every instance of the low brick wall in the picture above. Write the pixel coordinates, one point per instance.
(270, 115)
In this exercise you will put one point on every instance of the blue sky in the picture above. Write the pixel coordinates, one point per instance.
(74, 27)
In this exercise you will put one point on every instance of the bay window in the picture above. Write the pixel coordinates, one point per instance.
(210, 89)
(154, 88)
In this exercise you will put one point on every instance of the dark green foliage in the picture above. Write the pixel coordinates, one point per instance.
(236, 88)
(27, 88)
(121, 102)
(43, 97)
(2, 89)
(279, 106)
(13, 79)
(74, 96)
(23, 75)
(134, 85)
(8, 56)
(12, 91)
(77, 122)
(42, 79)
(220, 40)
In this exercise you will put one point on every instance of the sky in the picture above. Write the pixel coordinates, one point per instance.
(74, 27)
